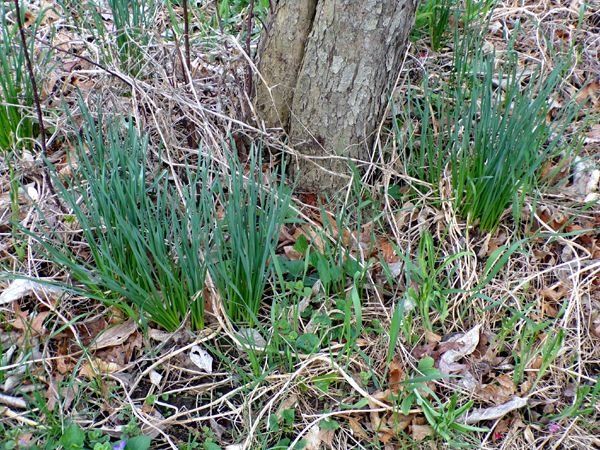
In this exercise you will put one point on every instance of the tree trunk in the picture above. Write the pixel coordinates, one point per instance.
(329, 66)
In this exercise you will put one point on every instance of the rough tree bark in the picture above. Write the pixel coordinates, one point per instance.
(327, 68)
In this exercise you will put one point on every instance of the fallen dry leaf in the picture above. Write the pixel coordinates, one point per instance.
(312, 439)
(399, 422)
(586, 177)
(21, 287)
(386, 249)
(529, 436)
(358, 429)
(201, 358)
(593, 136)
(499, 391)
(26, 195)
(590, 93)
(97, 366)
(420, 432)
(467, 343)
(37, 324)
(396, 376)
(326, 437)
(121, 354)
(493, 413)
(114, 336)
(155, 378)
(432, 338)
(291, 253)
(535, 363)
(501, 429)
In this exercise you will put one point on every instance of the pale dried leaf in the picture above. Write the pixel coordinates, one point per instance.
(37, 324)
(26, 195)
(431, 337)
(326, 437)
(13, 402)
(499, 392)
(289, 403)
(399, 422)
(404, 214)
(468, 381)
(155, 378)
(291, 253)
(114, 335)
(251, 337)
(467, 343)
(585, 176)
(312, 439)
(21, 287)
(201, 358)
(396, 268)
(593, 136)
(493, 413)
(528, 435)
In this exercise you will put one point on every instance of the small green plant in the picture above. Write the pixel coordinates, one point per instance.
(586, 397)
(144, 240)
(526, 348)
(245, 239)
(432, 19)
(16, 95)
(133, 22)
(228, 9)
(430, 282)
(443, 418)
(75, 438)
(127, 34)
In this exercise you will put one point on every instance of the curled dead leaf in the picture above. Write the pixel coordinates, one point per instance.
(97, 366)
(466, 344)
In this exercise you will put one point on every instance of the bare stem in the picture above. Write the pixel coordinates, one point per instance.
(186, 39)
(38, 106)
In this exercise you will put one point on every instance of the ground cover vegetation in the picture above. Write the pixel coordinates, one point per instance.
(164, 286)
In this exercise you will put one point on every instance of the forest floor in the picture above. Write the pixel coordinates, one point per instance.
(388, 318)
